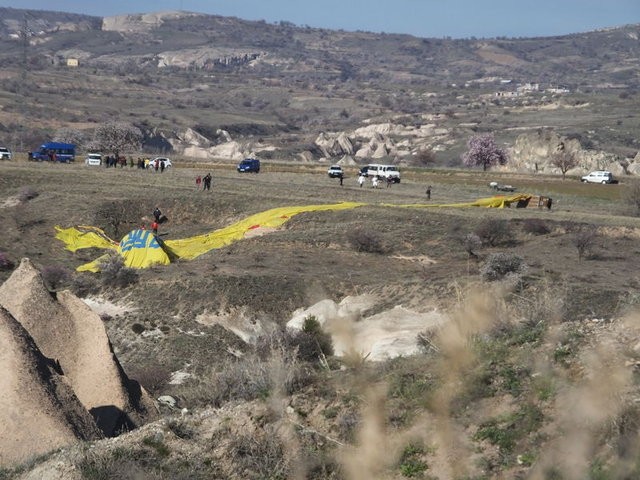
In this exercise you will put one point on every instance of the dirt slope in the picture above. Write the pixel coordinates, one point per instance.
(38, 409)
(68, 331)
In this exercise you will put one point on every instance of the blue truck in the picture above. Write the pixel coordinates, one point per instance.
(54, 152)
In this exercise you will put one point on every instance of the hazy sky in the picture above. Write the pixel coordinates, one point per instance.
(424, 18)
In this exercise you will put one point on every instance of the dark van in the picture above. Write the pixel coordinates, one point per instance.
(55, 152)
(249, 165)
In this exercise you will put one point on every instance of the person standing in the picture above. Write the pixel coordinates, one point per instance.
(360, 180)
(207, 181)
(374, 181)
(428, 192)
(198, 182)
(157, 214)
(341, 177)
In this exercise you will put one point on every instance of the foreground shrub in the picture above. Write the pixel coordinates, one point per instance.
(260, 457)
(535, 226)
(56, 277)
(584, 240)
(493, 231)
(83, 285)
(26, 194)
(153, 378)
(113, 273)
(275, 367)
(471, 243)
(5, 262)
(500, 265)
(632, 198)
(369, 241)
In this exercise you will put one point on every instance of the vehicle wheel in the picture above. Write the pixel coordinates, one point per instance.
(584, 181)
(604, 182)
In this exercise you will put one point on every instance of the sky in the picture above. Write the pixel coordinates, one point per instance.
(422, 18)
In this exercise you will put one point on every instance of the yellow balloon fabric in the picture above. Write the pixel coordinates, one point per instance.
(190, 248)
(143, 249)
(83, 236)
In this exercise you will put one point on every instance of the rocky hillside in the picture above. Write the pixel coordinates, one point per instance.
(206, 86)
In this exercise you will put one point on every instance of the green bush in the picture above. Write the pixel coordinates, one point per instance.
(411, 464)
(505, 432)
(317, 342)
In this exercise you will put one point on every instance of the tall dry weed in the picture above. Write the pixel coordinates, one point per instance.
(375, 449)
(583, 410)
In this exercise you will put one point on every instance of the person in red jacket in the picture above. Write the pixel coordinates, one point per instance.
(154, 228)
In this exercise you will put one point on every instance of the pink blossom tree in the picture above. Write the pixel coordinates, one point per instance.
(483, 150)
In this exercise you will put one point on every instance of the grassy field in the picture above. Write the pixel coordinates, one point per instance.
(418, 258)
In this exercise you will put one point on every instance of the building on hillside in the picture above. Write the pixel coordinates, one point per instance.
(72, 62)
(507, 94)
(529, 87)
(558, 89)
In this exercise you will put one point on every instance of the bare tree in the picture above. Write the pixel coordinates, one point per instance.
(584, 240)
(425, 157)
(117, 137)
(564, 160)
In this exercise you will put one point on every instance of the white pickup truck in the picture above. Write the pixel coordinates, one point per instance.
(5, 153)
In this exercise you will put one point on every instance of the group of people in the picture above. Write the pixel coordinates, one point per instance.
(141, 163)
(114, 161)
(205, 182)
(158, 218)
(375, 181)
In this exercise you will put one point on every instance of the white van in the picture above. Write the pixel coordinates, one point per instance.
(94, 159)
(382, 171)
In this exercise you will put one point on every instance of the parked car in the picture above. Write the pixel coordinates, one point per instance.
(5, 153)
(93, 159)
(599, 176)
(335, 171)
(249, 165)
(152, 163)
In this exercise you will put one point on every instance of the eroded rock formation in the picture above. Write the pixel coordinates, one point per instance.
(67, 331)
